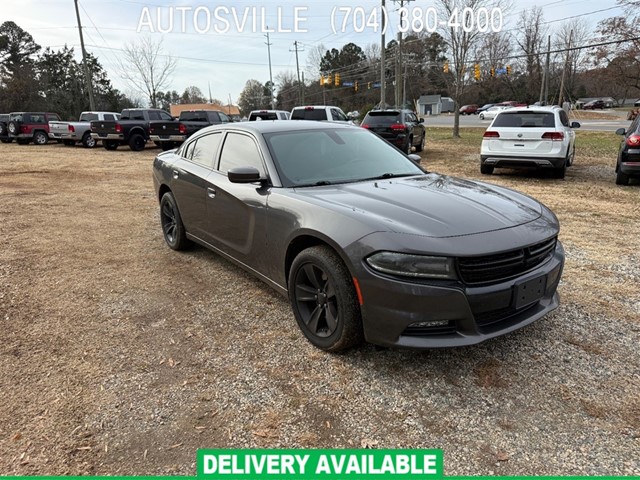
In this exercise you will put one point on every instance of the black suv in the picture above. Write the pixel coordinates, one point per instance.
(401, 128)
(4, 134)
(628, 164)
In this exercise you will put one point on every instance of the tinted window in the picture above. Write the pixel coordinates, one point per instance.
(564, 118)
(165, 116)
(240, 151)
(312, 114)
(338, 115)
(382, 118)
(525, 119)
(90, 117)
(154, 116)
(304, 158)
(197, 116)
(263, 116)
(132, 115)
(186, 150)
(205, 149)
(109, 117)
(34, 118)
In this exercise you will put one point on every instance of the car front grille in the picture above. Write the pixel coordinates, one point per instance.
(493, 268)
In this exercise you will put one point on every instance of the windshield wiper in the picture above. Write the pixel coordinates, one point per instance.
(389, 175)
(319, 183)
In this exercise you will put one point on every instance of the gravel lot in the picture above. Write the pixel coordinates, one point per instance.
(120, 356)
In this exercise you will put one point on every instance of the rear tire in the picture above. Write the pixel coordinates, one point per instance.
(324, 300)
(172, 227)
(110, 144)
(137, 142)
(409, 147)
(420, 148)
(486, 169)
(560, 172)
(3, 130)
(622, 178)
(167, 146)
(69, 143)
(88, 141)
(40, 138)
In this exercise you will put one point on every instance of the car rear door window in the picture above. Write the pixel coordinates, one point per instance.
(108, 117)
(309, 114)
(203, 151)
(338, 115)
(240, 151)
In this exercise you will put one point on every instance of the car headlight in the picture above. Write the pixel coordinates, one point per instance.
(419, 266)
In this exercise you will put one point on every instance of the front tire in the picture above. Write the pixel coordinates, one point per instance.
(420, 148)
(482, 116)
(172, 227)
(324, 300)
(110, 144)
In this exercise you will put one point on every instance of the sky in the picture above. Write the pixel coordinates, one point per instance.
(220, 44)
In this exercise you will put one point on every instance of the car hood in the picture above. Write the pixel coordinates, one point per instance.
(431, 205)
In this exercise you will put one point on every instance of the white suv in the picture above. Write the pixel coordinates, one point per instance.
(539, 137)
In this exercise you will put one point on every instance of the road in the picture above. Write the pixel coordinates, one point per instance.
(474, 121)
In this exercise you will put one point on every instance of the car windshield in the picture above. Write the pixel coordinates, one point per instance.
(382, 118)
(525, 119)
(328, 156)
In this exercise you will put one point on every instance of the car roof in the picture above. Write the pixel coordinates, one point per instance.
(274, 126)
(545, 109)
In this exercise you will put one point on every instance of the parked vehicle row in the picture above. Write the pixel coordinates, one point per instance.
(73, 132)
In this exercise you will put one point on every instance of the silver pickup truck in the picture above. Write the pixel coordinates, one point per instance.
(72, 132)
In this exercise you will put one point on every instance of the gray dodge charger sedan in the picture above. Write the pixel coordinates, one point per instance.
(364, 243)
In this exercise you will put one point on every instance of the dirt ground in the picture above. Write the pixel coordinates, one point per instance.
(120, 356)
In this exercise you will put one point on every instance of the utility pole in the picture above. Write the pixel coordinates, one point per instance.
(303, 87)
(87, 73)
(383, 88)
(300, 93)
(210, 98)
(273, 105)
(546, 72)
(399, 60)
(564, 69)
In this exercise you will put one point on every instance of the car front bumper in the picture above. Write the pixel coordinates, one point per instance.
(419, 314)
(510, 161)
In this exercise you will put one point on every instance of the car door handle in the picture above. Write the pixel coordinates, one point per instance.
(211, 192)
(175, 174)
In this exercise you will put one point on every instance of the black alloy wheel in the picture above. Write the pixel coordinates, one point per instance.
(172, 227)
(324, 300)
(137, 142)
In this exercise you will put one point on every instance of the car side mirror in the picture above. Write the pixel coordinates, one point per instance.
(415, 158)
(244, 175)
(621, 131)
(575, 124)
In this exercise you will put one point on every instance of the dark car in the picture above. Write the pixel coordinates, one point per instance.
(469, 109)
(594, 105)
(363, 242)
(399, 127)
(628, 164)
(4, 134)
(27, 127)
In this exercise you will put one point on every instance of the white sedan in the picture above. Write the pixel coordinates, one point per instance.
(490, 113)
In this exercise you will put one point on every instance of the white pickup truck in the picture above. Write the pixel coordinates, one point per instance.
(72, 132)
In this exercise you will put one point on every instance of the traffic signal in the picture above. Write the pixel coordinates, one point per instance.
(337, 80)
(356, 86)
(445, 69)
(492, 72)
(321, 80)
(368, 85)
(476, 71)
(508, 69)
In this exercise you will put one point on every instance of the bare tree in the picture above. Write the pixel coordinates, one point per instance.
(461, 44)
(314, 58)
(530, 40)
(572, 33)
(147, 68)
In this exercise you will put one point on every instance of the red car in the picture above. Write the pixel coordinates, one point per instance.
(469, 109)
(27, 127)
